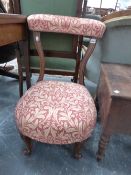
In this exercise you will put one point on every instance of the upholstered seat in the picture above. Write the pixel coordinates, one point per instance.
(56, 113)
(66, 24)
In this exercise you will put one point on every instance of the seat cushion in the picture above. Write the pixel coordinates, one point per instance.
(56, 112)
(66, 24)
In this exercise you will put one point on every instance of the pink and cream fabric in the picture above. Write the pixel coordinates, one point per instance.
(56, 112)
(66, 24)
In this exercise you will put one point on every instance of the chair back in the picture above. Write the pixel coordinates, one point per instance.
(61, 50)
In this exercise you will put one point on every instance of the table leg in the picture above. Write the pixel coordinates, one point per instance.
(19, 72)
(104, 140)
(27, 64)
(25, 51)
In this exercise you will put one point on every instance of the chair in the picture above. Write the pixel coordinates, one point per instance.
(57, 112)
(62, 51)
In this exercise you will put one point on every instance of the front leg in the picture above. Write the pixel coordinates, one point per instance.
(77, 150)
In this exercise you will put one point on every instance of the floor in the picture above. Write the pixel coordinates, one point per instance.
(52, 159)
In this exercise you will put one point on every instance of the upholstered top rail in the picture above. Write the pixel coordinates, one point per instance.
(66, 24)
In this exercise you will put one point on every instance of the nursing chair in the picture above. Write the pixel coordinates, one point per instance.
(56, 112)
(62, 52)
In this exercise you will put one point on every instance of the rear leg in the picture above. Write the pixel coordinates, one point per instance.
(28, 142)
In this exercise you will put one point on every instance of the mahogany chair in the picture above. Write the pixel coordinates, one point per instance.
(58, 112)
(62, 52)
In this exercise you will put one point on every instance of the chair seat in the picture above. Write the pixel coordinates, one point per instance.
(56, 112)
(66, 24)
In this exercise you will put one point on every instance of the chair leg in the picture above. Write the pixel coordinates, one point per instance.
(28, 142)
(77, 150)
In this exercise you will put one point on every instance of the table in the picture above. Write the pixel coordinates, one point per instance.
(114, 100)
(13, 29)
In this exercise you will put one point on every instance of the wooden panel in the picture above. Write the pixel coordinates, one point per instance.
(104, 99)
(11, 33)
(11, 19)
(119, 79)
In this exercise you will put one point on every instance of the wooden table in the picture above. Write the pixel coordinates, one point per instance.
(114, 99)
(12, 30)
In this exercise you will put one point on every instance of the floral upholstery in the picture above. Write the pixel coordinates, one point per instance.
(56, 112)
(66, 24)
